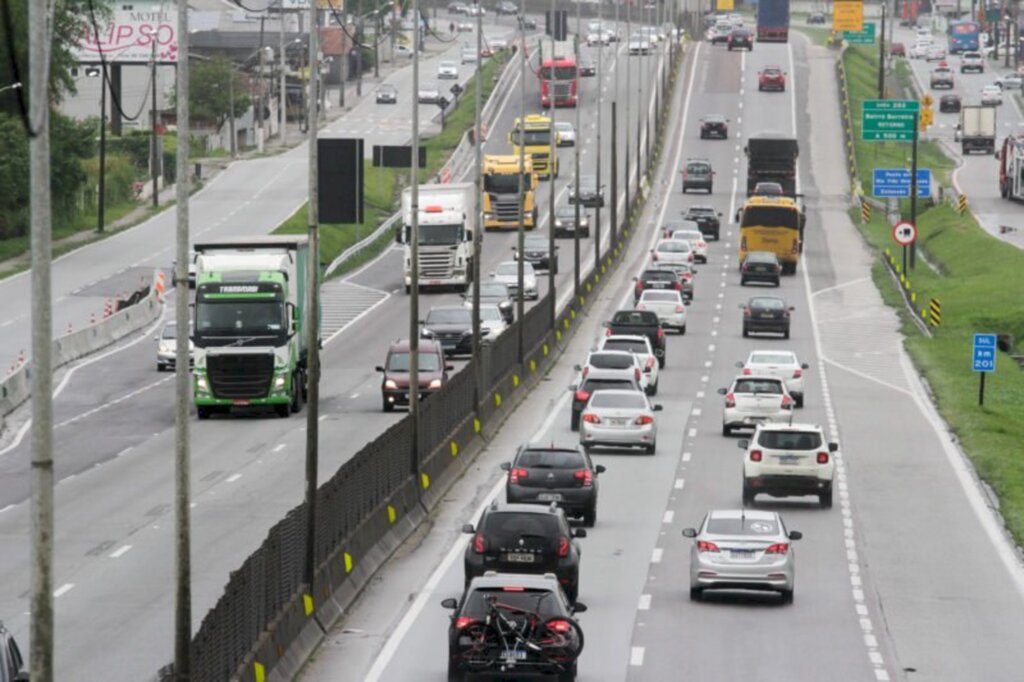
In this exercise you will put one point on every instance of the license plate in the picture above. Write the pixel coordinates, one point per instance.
(513, 655)
(789, 459)
(241, 403)
(434, 282)
(767, 316)
(618, 422)
(519, 558)
(741, 553)
(549, 497)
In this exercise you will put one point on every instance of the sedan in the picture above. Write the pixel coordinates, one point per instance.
(740, 38)
(668, 305)
(566, 134)
(428, 93)
(587, 68)
(492, 322)
(167, 347)
(387, 94)
(714, 125)
(492, 293)
(719, 33)
(766, 314)
(742, 549)
(537, 252)
(554, 473)
(697, 243)
(751, 400)
(565, 222)
(618, 419)
(468, 55)
(1011, 81)
(991, 96)
(672, 251)
(591, 194)
(448, 70)
(508, 274)
(782, 364)
(639, 45)
(761, 266)
(949, 104)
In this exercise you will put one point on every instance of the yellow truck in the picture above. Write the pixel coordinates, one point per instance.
(537, 132)
(772, 223)
(501, 192)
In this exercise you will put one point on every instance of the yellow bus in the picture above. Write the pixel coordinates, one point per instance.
(772, 223)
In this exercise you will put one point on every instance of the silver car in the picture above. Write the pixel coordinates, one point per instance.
(782, 364)
(167, 347)
(428, 93)
(742, 549)
(755, 399)
(508, 274)
(492, 321)
(619, 419)
(448, 69)
(566, 134)
(672, 251)
(668, 305)
(696, 241)
(613, 364)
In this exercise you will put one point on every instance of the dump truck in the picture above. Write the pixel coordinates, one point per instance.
(501, 192)
(771, 157)
(977, 129)
(537, 131)
(773, 21)
(249, 326)
(445, 215)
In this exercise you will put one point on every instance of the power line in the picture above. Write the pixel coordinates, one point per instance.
(115, 100)
(12, 57)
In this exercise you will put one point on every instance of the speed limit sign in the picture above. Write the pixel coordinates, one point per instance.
(904, 233)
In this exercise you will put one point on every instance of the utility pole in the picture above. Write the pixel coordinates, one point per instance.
(576, 166)
(312, 330)
(881, 56)
(626, 135)
(42, 631)
(257, 107)
(376, 44)
(154, 148)
(282, 114)
(478, 366)
(552, 254)
(615, 138)
(231, 113)
(102, 205)
(182, 375)
(360, 36)
(520, 259)
(600, 107)
(414, 247)
(913, 189)
(641, 111)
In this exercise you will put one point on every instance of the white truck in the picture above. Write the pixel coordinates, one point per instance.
(445, 236)
(977, 129)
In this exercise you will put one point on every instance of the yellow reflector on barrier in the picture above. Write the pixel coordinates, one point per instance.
(307, 603)
(533, 365)
(515, 380)
(392, 514)
(348, 559)
(477, 425)
(259, 672)
(454, 448)
(497, 400)
(544, 348)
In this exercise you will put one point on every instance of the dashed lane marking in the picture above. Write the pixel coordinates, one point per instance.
(636, 656)
(63, 589)
(120, 551)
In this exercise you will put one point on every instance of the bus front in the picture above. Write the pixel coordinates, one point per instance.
(772, 224)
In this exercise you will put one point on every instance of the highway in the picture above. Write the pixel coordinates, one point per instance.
(908, 577)
(114, 434)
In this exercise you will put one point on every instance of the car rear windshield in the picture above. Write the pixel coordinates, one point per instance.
(790, 440)
(660, 297)
(508, 527)
(742, 526)
(611, 360)
(399, 362)
(767, 303)
(698, 168)
(493, 289)
(550, 459)
(592, 385)
(688, 234)
(758, 386)
(543, 602)
(628, 345)
(665, 275)
(627, 401)
(449, 316)
(771, 359)
(634, 317)
(675, 246)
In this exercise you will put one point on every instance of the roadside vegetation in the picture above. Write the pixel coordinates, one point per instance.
(978, 280)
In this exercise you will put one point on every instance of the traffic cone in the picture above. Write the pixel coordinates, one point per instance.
(21, 357)
(70, 329)
(92, 319)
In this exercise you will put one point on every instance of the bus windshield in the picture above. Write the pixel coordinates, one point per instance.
(771, 216)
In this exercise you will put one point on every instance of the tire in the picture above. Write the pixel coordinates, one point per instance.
(296, 405)
(388, 406)
(652, 448)
(654, 389)
(799, 400)
(574, 422)
(696, 594)
(787, 596)
(785, 334)
(202, 412)
(454, 673)
(661, 362)
(408, 289)
(748, 495)
(743, 281)
(710, 190)
(746, 332)
(571, 593)
(283, 411)
(682, 330)
(825, 499)
(726, 430)
(568, 675)
(590, 515)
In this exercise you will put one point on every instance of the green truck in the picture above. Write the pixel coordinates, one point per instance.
(250, 317)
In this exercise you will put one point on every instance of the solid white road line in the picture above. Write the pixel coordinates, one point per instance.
(63, 589)
(120, 551)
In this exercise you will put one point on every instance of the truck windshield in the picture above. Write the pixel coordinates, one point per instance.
(239, 318)
(770, 216)
(440, 235)
(533, 137)
(561, 73)
(505, 183)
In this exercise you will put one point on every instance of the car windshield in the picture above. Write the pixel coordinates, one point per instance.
(490, 313)
(550, 459)
(702, 210)
(758, 386)
(698, 168)
(660, 297)
(448, 65)
(591, 385)
(533, 138)
(714, 118)
(170, 331)
(741, 525)
(790, 440)
(536, 243)
(399, 362)
(688, 235)
(544, 602)
(428, 87)
(388, 89)
(493, 289)
(564, 127)
(761, 257)
(625, 401)
(507, 527)
(567, 213)
(771, 359)
(611, 360)
(241, 317)
(561, 73)
(626, 344)
(506, 183)
(637, 317)
(767, 303)
(588, 181)
(437, 235)
(507, 270)
(680, 246)
(449, 316)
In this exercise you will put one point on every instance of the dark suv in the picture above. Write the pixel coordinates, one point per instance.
(697, 174)
(433, 372)
(714, 125)
(11, 661)
(708, 220)
(654, 278)
(740, 38)
(766, 314)
(520, 598)
(525, 538)
(591, 194)
(450, 326)
(549, 473)
(581, 394)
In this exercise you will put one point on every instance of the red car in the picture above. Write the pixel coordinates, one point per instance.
(897, 50)
(772, 78)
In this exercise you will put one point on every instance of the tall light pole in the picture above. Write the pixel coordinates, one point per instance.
(520, 259)
(576, 164)
(282, 93)
(615, 137)
(414, 249)
(478, 384)
(626, 129)
(600, 106)
(553, 151)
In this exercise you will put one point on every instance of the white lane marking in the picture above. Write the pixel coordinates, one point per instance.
(656, 555)
(279, 447)
(692, 433)
(881, 675)
(695, 412)
(232, 478)
(126, 396)
(120, 551)
(680, 482)
(353, 396)
(668, 517)
(636, 656)
(63, 589)
(10, 506)
(687, 456)
(645, 603)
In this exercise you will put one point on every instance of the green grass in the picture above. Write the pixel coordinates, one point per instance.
(817, 35)
(978, 282)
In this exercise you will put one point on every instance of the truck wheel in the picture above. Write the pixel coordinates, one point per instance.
(296, 404)
(284, 410)
(202, 412)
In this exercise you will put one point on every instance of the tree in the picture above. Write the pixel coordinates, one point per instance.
(209, 91)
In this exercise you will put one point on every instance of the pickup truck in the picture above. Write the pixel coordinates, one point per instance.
(639, 323)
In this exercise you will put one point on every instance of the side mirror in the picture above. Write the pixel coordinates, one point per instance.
(688, 302)
(579, 533)
(468, 528)
(743, 443)
(739, 364)
(658, 408)
(795, 535)
(723, 391)
(469, 235)
(577, 368)
(689, 532)
(833, 447)
(379, 368)
(579, 607)
(450, 603)
(719, 214)
(573, 387)
(600, 468)
(791, 308)
(805, 366)
(505, 466)
(156, 338)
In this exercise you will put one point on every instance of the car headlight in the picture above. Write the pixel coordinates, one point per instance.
(558, 223)
(426, 334)
(202, 384)
(436, 383)
(390, 383)
(163, 348)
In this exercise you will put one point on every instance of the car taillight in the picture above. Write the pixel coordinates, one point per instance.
(755, 455)
(690, 257)
(797, 373)
(563, 546)
(688, 276)
(778, 548)
(649, 365)
(787, 402)
(639, 285)
(591, 418)
(746, 311)
(680, 309)
(822, 458)
(609, 332)
(463, 622)
(705, 546)
(640, 306)
(730, 400)
(515, 474)
(661, 333)
(559, 626)
(643, 420)
(585, 371)
(684, 174)
(654, 256)
(479, 544)
(677, 286)
(582, 396)
(746, 371)
(636, 373)
(584, 475)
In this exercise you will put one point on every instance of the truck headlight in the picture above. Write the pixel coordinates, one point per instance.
(436, 383)
(201, 384)
(390, 384)
(488, 216)
(426, 334)
(558, 223)
(279, 382)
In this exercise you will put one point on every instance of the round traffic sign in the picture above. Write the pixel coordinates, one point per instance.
(904, 233)
(927, 101)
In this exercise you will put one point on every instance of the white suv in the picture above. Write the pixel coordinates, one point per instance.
(751, 400)
(785, 460)
(782, 364)
(641, 347)
(972, 61)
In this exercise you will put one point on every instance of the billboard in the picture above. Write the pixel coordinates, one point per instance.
(128, 36)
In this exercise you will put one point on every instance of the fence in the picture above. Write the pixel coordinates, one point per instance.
(267, 620)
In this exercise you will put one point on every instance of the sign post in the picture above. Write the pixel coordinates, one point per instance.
(904, 233)
(983, 360)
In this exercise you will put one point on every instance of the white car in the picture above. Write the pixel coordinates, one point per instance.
(936, 53)
(736, 20)
(639, 346)
(167, 347)
(668, 305)
(919, 50)
(639, 45)
(447, 70)
(612, 364)
(428, 93)
(566, 134)
(991, 96)
(785, 460)
(508, 273)
(614, 418)
(782, 364)
(697, 243)
(753, 399)
(492, 322)
(599, 38)
(468, 55)
(1011, 81)
(464, 26)
(923, 34)
(672, 251)
(972, 61)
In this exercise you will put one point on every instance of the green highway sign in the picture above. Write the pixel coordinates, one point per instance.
(889, 120)
(865, 37)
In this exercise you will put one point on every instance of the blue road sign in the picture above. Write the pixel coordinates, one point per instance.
(895, 182)
(984, 355)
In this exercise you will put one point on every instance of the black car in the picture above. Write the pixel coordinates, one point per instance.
(531, 608)
(452, 327)
(549, 473)
(11, 661)
(949, 104)
(684, 272)
(698, 174)
(387, 94)
(538, 253)
(529, 24)
(506, 8)
(740, 38)
(656, 278)
(565, 222)
(816, 18)
(708, 220)
(525, 538)
(591, 194)
(761, 266)
(714, 126)
(766, 314)
(493, 293)
(581, 394)
(586, 68)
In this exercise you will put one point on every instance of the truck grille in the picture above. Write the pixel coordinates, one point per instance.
(436, 264)
(540, 162)
(562, 90)
(507, 210)
(244, 376)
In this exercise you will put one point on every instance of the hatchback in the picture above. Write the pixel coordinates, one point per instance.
(591, 194)
(668, 306)
(656, 279)
(432, 374)
(508, 274)
(771, 78)
(761, 266)
(554, 473)
(611, 364)
(619, 419)
(565, 222)
(582, 392)
(387, 94)
(695, 238)
(949, 104)
(783, 364)
(740, 38)
(428, 93)
(766, 314)
(494, 293)
(698, 175)
(167, 347)
(670, 227)
(448, 70)
(537, 250)
(742, 549)
(642, 348)
(685, 272)
(751, 400)
(566, 134)
(672, 251)
(785, 460)
(714, 125)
